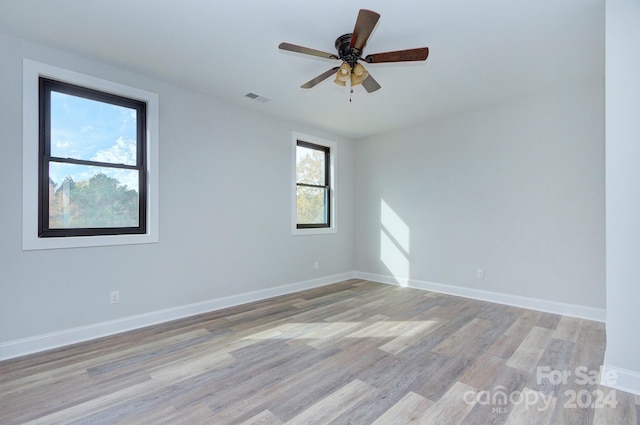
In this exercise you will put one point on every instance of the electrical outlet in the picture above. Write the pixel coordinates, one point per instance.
(480, 274)
(316, 265)
(115, 297)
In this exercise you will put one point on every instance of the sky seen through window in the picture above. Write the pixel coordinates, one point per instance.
(92, 130)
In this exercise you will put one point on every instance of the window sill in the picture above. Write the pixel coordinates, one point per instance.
(319, 231)
(29, 244)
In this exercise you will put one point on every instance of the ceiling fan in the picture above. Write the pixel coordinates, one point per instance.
(350, 48)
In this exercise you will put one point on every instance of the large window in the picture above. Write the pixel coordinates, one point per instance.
(314, 185)
(92, 162)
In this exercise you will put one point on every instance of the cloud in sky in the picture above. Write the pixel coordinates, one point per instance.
(63, 144)
(124, 151)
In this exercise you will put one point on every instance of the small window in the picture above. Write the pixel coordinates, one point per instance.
(313, 200)
(92, 162)
(314, 191)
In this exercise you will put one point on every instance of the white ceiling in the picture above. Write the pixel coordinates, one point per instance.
(481, 52)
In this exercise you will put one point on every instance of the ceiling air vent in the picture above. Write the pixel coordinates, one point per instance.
(256, 97)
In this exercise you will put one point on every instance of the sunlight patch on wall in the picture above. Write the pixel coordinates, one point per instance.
(394, 244)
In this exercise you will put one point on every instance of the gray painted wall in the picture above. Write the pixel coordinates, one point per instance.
(515, 189)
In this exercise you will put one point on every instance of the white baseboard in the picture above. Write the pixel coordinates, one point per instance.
(620, 379)
(38, 343)
(21, 347)
(573, 310)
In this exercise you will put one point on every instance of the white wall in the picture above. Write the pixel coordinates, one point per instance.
(515, 189)
(224, 213)
(623, 191)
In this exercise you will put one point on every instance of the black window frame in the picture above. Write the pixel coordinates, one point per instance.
(45, 87)
(327, 186)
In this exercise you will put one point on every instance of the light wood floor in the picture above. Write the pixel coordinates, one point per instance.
(356, 353)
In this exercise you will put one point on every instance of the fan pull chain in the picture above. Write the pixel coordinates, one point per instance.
(350, 93)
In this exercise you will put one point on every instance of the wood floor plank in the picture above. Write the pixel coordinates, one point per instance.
(451, 409)
(528, 353)
(158, 416)
(448, 372)
(493, 404)
(335, 404)
(411, 335)
(549, 320)
(591, 335)
(263, 418)
(483, 371)
(408, 411)
(380, 329)
(455, 342)
(507, 344)
(336, 331)
(199, 413)
(533, 408)
(555, 359)
(568, 329)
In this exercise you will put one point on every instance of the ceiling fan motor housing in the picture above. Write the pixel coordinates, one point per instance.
(351, 56)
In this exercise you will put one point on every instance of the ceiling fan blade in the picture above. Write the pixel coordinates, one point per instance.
(367, 20)
(419, 54)
(307, 51)
(370, 85)
(320, 78)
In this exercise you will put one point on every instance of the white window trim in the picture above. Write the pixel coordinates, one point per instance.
(30, 150)
(333, 158)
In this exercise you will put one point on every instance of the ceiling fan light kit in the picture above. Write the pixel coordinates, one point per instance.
(350, 48)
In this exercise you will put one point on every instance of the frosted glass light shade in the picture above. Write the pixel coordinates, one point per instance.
(358, 75)
(343, 74)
